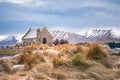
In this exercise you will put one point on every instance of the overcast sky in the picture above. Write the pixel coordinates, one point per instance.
(17, 16)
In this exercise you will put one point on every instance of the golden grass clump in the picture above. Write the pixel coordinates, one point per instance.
(42, 68)
(31, 59)
(57, 62)
(69, 47)
(38, 46)
(27, 50)
(96, 76)
(96, 53)
(79, 60)
(82, 49)
(5, 67)
(58, 76)
(79, 48)
(42, 71)
(66, 49)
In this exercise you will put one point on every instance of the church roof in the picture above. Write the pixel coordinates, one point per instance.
(32, 33)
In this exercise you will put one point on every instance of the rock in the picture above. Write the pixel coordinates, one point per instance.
(7, 58)
(18, 67)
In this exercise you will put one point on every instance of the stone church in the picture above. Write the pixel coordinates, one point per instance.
(37, 36)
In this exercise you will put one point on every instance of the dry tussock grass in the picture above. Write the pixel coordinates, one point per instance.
(57, 62)
(79, 61)
(96, 53)
(38, 46)
(96, 76)
(65, 47)
(72, 59)
(83, 50)
(31, 59)
(5, 67)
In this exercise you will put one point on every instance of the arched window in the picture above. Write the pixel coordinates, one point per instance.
(44, 40)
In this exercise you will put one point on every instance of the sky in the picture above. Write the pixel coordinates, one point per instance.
(17, 16)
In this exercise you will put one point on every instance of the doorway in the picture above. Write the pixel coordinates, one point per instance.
(44, 40)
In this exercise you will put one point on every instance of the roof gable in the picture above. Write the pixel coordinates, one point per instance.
(32, 33)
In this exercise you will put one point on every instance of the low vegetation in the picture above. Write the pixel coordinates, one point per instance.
(96, 53)
(62, 62)
(80, 62)
(9, 51)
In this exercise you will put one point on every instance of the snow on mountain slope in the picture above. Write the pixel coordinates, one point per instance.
(9, 40)
(96, 34)
(99, 33)
(103, 36)
(84, 36)
(116, 34)
(70, 37)
(73, 38)
(59, 34)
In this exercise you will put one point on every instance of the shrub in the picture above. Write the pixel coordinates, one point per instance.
(96, 53)
(62, 41)
(56, 42)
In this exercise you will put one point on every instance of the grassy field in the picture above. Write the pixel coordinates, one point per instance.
(9, 51)
(62, 62)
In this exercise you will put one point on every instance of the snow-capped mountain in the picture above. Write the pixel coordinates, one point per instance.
(95, 36)
(73, 38)
(9, 40)
(103, 36)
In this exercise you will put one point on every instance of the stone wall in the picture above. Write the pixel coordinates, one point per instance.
(29, 41)
(43, 36)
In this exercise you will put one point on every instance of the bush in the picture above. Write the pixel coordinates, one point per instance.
(56, 42)
(62, 41)
(96, 53)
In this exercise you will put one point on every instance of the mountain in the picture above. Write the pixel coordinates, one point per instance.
(103, 36)
(70, 37)
(9, 40)
(96, 36)
(73, 38)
